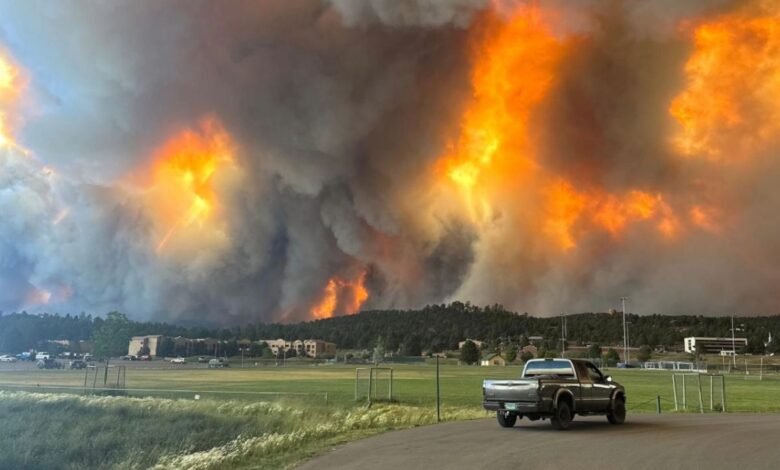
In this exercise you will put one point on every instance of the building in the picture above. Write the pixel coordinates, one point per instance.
(319, 348)
(477, 342)
(310, 347)
(493, 360)
(148, 343)
(694, 344)
(80, 347)
(277, 346)
(530, 349)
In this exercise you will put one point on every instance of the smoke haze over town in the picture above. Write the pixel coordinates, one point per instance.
(291, 160)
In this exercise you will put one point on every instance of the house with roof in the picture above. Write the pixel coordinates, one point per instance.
(493, 360)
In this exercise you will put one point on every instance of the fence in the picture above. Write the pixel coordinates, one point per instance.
(676, 366)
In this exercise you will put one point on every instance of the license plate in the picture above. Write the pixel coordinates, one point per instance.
(510, 406)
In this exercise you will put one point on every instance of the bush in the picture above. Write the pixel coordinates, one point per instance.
(644, 353)
(611, 356)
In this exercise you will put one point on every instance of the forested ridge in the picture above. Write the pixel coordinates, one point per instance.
(432, 328)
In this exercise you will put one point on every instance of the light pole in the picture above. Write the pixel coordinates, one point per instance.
(563, 335)
(734, 340)
(625, 331)
(628, 340)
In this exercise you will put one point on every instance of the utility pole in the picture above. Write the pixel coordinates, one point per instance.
(628, 340)
(625, 330)
(563, 335)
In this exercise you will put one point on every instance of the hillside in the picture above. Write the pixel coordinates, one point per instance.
(433, 328)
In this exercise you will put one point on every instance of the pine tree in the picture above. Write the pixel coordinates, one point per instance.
(469, 352)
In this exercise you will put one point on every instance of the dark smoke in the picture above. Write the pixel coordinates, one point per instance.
(340, 110)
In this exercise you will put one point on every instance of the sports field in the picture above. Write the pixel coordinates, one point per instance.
(414, 385)
(268, 416)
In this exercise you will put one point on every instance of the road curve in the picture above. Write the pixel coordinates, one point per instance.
(711, 441)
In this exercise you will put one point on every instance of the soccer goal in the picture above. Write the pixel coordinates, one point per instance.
(373, 382)
(698, 389)
(110, 377)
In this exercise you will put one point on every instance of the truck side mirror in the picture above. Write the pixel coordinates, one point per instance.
(608, 378)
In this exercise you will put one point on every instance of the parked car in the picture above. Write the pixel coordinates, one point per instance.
(42, 355)
(7, 358)
(88, 357)
(178, 360)
(49, 364)
(203, 359)
(145, 357)
(218, 363)
(77, 364)
(555, 389)
(25, 356)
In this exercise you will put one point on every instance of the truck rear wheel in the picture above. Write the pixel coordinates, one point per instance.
(562, 416)
(617, 414)
(506, 420)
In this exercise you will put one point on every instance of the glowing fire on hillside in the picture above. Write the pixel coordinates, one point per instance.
(341, 296)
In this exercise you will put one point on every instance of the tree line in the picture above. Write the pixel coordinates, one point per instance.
(434, 328)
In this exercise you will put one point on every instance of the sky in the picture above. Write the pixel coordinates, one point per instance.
(292, 160)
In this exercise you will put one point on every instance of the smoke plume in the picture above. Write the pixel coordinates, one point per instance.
(291, 160)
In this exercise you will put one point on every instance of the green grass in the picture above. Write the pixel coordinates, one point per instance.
(60, 431)
(227, 430)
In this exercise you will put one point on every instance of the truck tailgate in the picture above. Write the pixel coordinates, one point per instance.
(511, 390)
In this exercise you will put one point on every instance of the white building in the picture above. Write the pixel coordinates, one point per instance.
(713, 345)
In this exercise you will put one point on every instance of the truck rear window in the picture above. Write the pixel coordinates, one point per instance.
(553, 367)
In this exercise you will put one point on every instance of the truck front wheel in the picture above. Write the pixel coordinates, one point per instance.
(617, 415)
(506, 420)
(561, 416)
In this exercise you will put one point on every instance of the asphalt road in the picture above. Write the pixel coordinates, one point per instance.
(711, 441)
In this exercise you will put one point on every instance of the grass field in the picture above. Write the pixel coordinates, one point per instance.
(267, 417)
(413, 385)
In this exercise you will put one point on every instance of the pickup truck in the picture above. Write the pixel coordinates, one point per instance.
(556, 389)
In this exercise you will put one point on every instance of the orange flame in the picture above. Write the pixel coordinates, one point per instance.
(38, 297)
(567, 209)
(10, 89)
(705, 218)
(564, 208)
(340, 294)
(729, 108)
(514, 69)
(494, 164)
(182, 189)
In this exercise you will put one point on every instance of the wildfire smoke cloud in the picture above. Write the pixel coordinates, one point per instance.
(306, 159)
